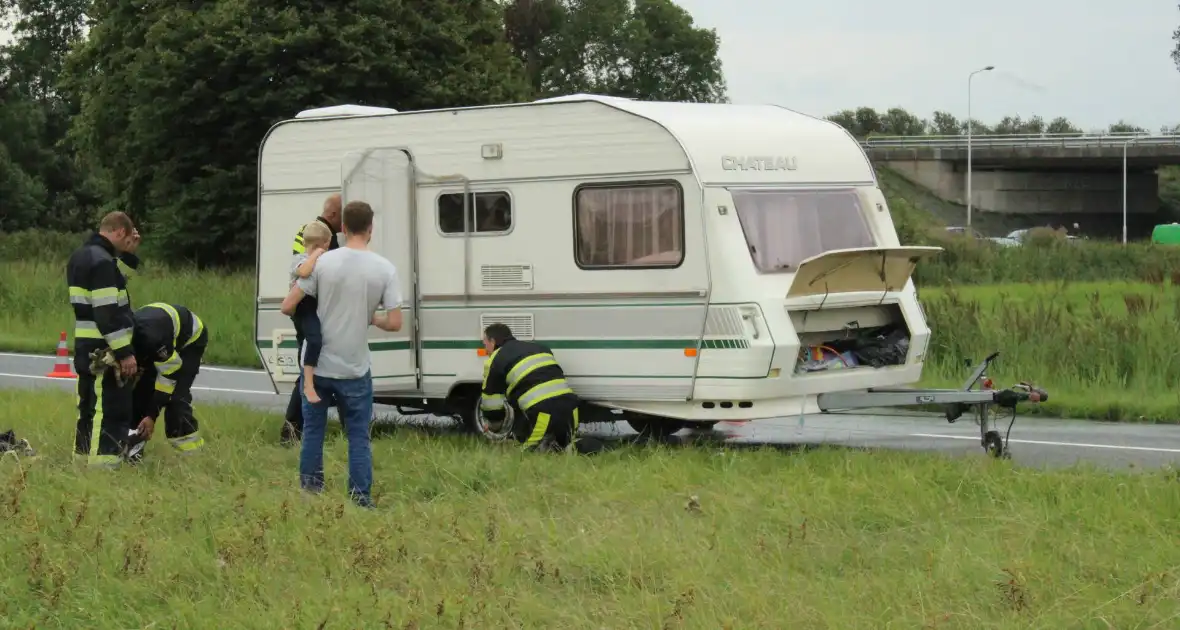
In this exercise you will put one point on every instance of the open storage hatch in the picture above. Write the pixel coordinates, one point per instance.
(870, 334)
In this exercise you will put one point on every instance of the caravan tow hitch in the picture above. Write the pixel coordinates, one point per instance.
(956, 402)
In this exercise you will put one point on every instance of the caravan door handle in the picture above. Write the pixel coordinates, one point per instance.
(751, 315)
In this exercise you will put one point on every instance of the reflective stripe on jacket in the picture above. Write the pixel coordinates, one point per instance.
(161, 332)
(523, 373)
(98, 295)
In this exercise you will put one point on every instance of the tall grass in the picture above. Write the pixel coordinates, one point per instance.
(964, 261)
(467, 535)
(36, 306)
(967, 261)
(1105, 350)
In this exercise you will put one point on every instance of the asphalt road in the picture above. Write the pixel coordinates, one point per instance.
(1034, 441)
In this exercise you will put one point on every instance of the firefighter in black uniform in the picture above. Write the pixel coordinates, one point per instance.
(293, 427)
(103, 319)
(526, 375)
(170, 341)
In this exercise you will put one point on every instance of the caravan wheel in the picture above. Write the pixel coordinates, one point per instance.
(493, 432)
(651, 427)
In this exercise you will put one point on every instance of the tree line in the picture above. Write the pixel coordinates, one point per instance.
(158, 108)
(864, 122)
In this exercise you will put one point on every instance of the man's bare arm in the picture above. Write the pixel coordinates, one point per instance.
(389, 321)
(291, 301)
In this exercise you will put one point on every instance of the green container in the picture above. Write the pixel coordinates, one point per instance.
(1166, 234)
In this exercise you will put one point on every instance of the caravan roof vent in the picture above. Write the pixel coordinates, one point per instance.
(344, 110)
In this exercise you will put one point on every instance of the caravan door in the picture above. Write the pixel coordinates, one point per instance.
(384, 177)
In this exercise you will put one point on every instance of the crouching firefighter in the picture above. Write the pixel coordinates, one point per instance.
(525, 374)
(169, 342)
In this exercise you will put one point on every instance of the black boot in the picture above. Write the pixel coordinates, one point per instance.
(289, 435)
(10, 443)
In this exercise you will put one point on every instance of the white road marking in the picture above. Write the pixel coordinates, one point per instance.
(51, 357)
(937, 436)
(1116, 447)
(195, 387)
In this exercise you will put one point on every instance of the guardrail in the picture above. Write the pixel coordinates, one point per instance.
(1065, 140)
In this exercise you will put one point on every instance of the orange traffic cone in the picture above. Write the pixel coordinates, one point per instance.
(61, 367)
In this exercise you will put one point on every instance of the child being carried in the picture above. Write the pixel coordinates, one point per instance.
(316, 237)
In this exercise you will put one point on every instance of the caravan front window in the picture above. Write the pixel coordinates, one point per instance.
(785, 227)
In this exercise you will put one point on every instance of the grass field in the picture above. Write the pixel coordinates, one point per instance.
(36, 311)
(1104, 350)
(462, 538)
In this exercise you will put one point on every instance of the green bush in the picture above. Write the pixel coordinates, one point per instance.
(1105, 350)
(47, 246)
(37, 245)
(1045, 258)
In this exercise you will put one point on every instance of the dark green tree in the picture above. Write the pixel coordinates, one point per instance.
(35, 115)
(945, 124)
(1176, 48)
(846, 118)
(864, 122)
(534, 29)
(1061, 125)
(22, 193)
(178, 96)
(1123, 126)
(645, 49)
(899, 122)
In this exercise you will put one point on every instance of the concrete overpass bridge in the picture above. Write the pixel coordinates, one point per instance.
(1047, 174)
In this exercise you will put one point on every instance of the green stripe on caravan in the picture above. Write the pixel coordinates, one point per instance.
(556, 344)
(290, 344)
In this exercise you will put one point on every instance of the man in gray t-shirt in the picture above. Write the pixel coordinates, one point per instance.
(349, 283)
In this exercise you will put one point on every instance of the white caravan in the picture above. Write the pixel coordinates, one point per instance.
(687, 263)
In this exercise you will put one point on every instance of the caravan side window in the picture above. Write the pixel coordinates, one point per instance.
(488, 213)
(637, 225)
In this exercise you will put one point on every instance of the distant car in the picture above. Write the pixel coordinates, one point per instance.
(959, 230)
(1016, 237)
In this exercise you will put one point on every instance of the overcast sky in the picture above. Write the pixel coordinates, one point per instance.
(1093, 61)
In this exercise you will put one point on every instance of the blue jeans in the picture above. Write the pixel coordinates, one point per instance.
(353, 398)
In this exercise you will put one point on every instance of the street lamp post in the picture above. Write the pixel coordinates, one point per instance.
(969, 77)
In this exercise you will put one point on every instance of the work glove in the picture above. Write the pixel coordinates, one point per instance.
(103, 359)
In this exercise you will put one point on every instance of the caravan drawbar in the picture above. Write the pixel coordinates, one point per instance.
(687, 263)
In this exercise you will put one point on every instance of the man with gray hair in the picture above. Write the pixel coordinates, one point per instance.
(349, 284)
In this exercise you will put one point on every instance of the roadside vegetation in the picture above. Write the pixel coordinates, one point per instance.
(651, 537)
(1093, 323)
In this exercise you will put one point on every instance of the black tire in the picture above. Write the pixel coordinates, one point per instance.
(466, 406)
(655, 428)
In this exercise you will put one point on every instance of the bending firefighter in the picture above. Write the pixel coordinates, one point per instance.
(526, 375)
(169, 342)
(103, 325)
